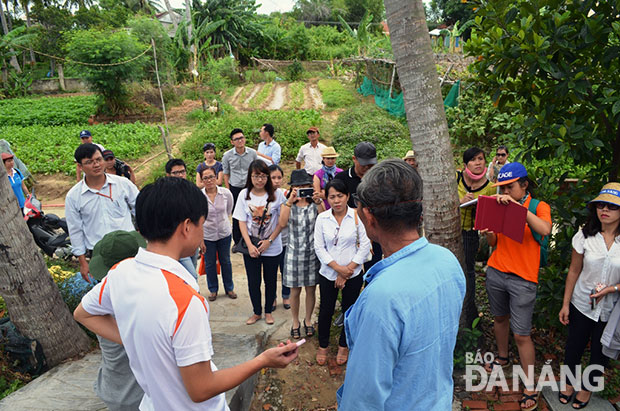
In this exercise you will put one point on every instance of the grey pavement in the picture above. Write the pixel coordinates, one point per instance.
(596, 403)
(69, 386)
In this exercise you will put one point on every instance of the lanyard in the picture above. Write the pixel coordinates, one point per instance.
(107, 196)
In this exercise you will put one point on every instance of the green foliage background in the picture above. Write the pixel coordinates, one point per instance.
(47, 111)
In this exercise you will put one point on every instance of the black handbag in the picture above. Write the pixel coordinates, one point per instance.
(241, 247)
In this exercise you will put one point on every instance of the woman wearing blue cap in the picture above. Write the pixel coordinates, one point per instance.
(512, 275)
(592, 289)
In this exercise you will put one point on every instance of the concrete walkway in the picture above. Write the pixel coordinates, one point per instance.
(69, 386)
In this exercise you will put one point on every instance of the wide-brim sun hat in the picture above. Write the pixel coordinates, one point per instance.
(510, 173)
(300, 178)
(610, 193)
(113, 248)
(329, 152)
(410, 154)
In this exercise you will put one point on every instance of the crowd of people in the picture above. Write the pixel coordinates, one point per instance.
(356, 234)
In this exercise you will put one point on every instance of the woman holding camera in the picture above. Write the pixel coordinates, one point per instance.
(342, 247)
(592, 287)
(300, 263)
(257, 210)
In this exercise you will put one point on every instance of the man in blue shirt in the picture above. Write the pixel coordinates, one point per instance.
(402, 329)
(268, 150)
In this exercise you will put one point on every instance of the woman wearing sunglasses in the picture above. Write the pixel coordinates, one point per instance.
(592, 287)
(342, 246)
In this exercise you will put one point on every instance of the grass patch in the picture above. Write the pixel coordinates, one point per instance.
(257, 76)
(296, 91)
(261, 96)
(244, 93)
(335, 95)
(367, 122)
(47, 111)
(290, 132)
(49, 149)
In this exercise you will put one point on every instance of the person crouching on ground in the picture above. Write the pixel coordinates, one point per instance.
(512, 276)
(151, 305)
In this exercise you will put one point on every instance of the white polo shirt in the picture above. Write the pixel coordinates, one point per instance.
(311, 157)
(163, 323)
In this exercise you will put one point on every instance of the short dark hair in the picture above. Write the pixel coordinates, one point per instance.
(174, 162)
(259, 166)
(502, 147)
(275, 167)
(166, 203)
(202, 170)
(269, 128)
(85, 151)
(337, 185)
(470, 153)
(235, 131)
(392, 192)
(208, 146)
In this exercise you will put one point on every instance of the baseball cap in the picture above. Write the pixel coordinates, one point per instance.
(509, 173)
(85, 133)
(316, 130)
(6, 156)
(113, 248)
(365, 153)
(107, 154)
(610, 193)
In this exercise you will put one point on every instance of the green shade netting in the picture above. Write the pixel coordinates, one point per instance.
(452, 99)
(394, 105)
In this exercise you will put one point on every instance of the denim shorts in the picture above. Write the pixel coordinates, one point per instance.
(511, 295)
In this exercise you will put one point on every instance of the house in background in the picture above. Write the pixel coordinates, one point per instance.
(166, 21)
(445, 40)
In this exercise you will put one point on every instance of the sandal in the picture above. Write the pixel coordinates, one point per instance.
(296, 333)
(343, 355)
(321, 356)
(490, 366)
(212, 296)
(527, 397)
(566, 398)
(309, 329)
(578, 405)
(253, 319)
(231, 294)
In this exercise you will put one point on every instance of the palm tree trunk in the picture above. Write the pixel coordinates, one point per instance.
(428, 129)
(32, 299)
(5, 29)
(28, 24)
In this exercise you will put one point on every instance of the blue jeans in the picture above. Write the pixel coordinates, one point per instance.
(222, 248)
(189, 266)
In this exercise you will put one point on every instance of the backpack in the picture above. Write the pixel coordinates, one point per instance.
(542, 240)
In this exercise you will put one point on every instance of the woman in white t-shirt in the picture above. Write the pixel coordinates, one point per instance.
(591, 290)
(258, 210)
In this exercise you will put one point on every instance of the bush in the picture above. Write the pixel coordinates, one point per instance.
(257, 76)
(367, 122)
(47, 111)
(295, 71)
(49, 149)
(220, 74)
(290, 132)
(335, 95)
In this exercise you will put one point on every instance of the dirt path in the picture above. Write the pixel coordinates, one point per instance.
(278, 97)
(317, 98)
(254, 91)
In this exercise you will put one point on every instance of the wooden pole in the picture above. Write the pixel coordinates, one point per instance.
(163, 103)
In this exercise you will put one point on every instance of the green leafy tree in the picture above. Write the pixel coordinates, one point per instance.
(450, 11)
(102, 48)
(358, 8)
(147, 28)
(556, 64)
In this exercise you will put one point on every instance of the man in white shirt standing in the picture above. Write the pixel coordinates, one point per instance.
(151, 305)
(98, 204)
(268, 150)
(85, 138)
(310, 153)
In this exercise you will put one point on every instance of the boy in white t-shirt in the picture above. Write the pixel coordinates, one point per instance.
(151, 305)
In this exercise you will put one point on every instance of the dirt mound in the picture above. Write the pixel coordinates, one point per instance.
(51, 189)
(179, 112)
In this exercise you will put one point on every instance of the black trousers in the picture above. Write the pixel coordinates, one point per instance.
(236, 232)
(329, 294)
(582, 330)
(471, 243)
(267, 268)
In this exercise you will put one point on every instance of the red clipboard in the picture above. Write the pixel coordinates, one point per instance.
(508, 219)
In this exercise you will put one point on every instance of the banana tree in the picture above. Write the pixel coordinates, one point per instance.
(8, 43)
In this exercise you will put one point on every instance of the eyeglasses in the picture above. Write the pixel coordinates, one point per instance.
(238, 138)
(611, 207)
(501, 154)
(336, 236)
(93, 161)
(207, 178)
(178, 173)
(259, 176)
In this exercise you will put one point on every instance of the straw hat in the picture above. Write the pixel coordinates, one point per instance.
(329, 152)
(610, 193)
(410, 154)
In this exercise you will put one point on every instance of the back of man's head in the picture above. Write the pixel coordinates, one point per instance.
(166, 203)
(85, 151)
(392, 191)
(269, 129)
(174, 162)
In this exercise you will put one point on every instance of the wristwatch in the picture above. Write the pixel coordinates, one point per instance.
(270, 240)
